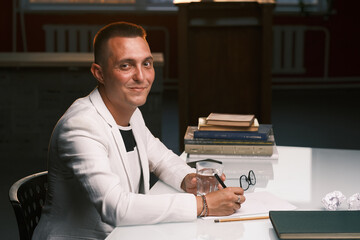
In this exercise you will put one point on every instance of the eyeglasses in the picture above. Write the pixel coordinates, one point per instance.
(246, 181)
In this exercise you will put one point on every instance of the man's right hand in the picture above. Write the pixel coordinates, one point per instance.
(224, 201)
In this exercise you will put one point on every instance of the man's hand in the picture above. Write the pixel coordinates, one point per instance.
(189, 183)
(225, 201)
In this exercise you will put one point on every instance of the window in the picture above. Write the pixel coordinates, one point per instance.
(296, 6)
(288, 6)
(97, 5)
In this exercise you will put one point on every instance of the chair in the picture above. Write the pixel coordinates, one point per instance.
(27, 196)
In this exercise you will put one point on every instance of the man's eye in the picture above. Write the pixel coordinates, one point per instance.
(147, 64)
(124, 66)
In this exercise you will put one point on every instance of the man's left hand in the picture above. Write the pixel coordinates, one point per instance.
(189, 183)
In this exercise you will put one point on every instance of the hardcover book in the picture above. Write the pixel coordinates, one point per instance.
(262, 134)
(189, 139)
(250, 150)
(316, 224)
(202, 125)
(240, 120)
(233, 158)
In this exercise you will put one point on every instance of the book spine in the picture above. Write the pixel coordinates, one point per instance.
(251, 150)
(206, 141)
(230, 123)
(229, 135)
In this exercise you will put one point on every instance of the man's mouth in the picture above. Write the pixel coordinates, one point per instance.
(138, 89)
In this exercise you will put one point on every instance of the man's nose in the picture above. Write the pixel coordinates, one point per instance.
(139, 74)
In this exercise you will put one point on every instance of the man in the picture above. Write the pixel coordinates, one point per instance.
(101, 152)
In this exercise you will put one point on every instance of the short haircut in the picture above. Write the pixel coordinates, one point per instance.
(116, 29)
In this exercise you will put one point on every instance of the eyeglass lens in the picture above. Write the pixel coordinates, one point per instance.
(252, 177)
(246, 181)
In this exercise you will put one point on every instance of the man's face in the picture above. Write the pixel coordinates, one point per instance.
(128, 72)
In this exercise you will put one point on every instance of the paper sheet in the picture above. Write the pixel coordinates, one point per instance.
(259, 203)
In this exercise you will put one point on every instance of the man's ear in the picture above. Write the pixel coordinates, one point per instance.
(97, 72)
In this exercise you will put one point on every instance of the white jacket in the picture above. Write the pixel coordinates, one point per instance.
(89, 188)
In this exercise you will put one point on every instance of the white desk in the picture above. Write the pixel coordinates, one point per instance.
(302, 176)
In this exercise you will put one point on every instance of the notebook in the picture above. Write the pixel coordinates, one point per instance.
(316, 224)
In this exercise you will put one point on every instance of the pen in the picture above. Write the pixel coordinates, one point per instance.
(240, 219)
(220, 181)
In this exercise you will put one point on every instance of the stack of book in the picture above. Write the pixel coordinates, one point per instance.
(228, 138)
(230, 134)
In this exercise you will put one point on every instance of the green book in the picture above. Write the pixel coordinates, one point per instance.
(316, 224)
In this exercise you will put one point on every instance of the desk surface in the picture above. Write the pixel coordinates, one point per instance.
(301, 176)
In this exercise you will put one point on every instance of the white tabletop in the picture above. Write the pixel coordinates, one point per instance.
(301, 176)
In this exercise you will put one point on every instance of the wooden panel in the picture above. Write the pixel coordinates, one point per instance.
(223, 71)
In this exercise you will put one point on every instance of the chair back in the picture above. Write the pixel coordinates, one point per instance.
(27, 197)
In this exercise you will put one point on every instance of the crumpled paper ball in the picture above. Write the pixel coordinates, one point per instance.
(333, 200)
(354, 202)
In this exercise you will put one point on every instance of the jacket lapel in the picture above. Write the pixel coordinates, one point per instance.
(100, 106)
(139, 135)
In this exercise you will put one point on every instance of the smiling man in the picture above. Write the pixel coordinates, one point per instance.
(101, 153)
